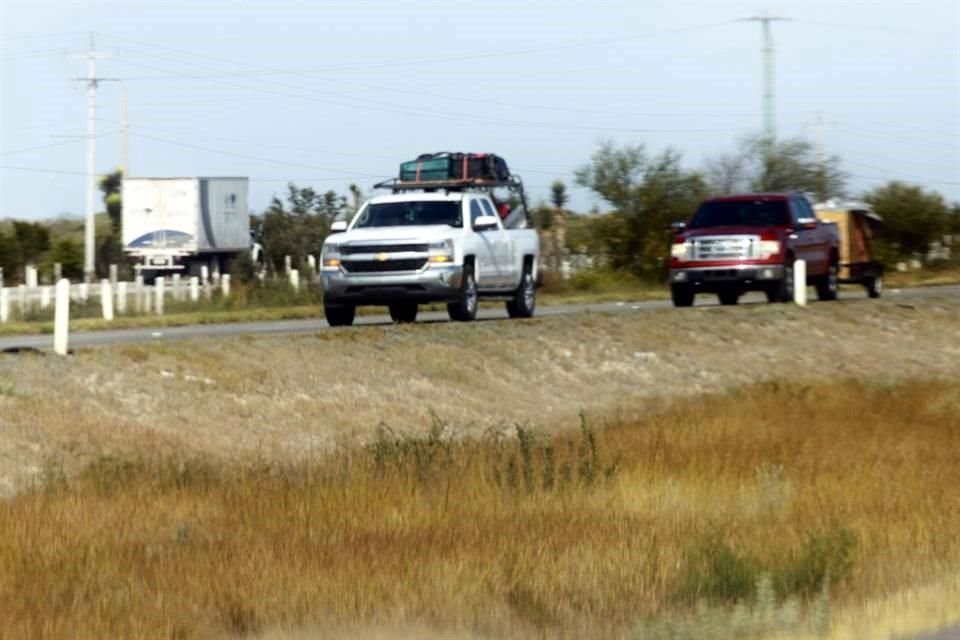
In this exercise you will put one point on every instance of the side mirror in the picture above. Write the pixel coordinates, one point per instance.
(338, 226)
(485, 223)
(807, 223)
(678, 227)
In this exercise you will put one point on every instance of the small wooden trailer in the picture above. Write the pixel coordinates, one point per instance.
(857, 225)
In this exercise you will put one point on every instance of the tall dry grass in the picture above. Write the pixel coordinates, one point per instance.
(845, 487)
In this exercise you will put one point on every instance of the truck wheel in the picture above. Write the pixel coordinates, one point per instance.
(339, 315)
(524, 300)
(875, 286)
(728, 296)
(465, 308)
(404, 312)
(682, 295)
(783, 291)
(828, 285)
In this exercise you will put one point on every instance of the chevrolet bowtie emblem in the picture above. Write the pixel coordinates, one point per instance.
(382, 257)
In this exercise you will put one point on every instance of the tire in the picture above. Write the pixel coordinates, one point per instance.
(465, 308)
(728, 296)
(339, 315)
(783, 290)
(875, 286)
(525, 298)
(403, 313)
(682, 295)
(828, 286)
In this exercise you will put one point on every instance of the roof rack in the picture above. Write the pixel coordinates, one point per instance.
(397, 185)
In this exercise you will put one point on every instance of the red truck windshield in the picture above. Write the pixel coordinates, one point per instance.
(745, 213)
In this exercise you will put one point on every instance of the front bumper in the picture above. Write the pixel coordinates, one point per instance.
(434, 283)
(748, 276)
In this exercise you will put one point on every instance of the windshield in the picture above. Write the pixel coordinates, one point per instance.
(749, 213)
(397, 214)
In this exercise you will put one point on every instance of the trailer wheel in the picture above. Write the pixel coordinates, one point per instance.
(874, 286)
(728, 296)
(339, 315)
(404, 312)
(682, 295)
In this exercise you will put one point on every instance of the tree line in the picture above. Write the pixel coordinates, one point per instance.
(644, 192)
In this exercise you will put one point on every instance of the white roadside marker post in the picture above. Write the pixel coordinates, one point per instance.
(44, 297)
(800, 282)
(295, 279)
(225, 284)
(4, 305)
(61, 314)
(194, 289)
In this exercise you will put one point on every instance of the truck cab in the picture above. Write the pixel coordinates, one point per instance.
(749, 242)
(425, 245)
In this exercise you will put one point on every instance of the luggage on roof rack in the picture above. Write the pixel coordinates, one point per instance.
(446, 165)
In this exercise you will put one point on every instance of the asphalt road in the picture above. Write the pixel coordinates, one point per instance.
(291, 327)
(946, 633)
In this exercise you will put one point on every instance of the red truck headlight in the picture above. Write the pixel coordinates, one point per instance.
(768, 249)
(680, 250)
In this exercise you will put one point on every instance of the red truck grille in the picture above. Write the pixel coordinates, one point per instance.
(725, 248)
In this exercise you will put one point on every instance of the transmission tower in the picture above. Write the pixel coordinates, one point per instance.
(769, 106)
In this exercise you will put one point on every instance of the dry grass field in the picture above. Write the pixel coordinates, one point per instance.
(712, 474)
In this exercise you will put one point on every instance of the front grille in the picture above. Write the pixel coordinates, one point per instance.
(725, 248)
(352, 249)
(381, 266)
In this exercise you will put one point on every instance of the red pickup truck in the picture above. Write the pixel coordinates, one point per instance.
(749, 242)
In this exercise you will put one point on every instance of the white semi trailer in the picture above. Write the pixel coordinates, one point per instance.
(179, 225)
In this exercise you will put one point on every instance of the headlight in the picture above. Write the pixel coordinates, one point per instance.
(331, 256)
(679, 250)
(441, 252)
(769, 248)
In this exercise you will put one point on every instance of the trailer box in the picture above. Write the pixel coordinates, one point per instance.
(186, 216)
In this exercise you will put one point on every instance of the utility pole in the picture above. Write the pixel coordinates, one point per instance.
(126, 131)
(91, 81)
(769, 108)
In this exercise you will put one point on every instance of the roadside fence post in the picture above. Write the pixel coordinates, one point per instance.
(225, 284)
(22, 299)
(295, 279)
(286, 264)
(175, 285)
(4, 305)
(138, 293)
(30, 276)
(84, 292)
(158, 288)
(114, 274)
(106, 299)
(122, 297)
(44, 297)
(194, 288)
(57, 272)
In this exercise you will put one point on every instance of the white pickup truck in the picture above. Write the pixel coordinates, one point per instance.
(429, 245)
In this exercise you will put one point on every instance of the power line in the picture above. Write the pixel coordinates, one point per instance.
(430, 60)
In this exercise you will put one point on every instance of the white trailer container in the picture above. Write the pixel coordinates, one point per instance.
(180, 224)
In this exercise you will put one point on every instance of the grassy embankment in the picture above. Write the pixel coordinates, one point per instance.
(770, 506)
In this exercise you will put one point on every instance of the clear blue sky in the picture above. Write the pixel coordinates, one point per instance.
(328, 93)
